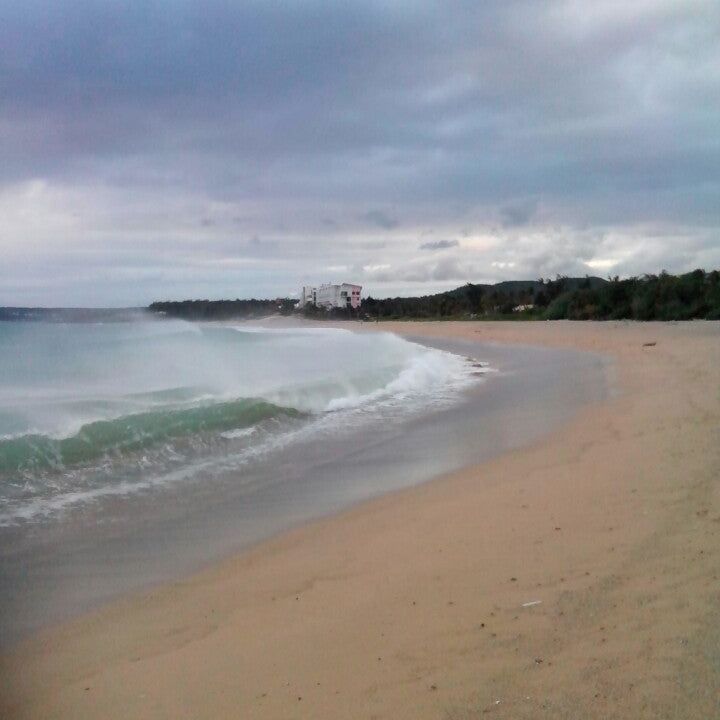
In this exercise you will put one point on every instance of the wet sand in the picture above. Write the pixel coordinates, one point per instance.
(577, 576)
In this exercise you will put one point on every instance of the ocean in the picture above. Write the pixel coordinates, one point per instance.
(135, 453)
(90, 411)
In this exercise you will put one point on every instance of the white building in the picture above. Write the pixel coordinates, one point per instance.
(307, 296)
(345, 295)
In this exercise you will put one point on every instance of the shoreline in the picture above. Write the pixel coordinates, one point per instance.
(610, 523)
(68, 565)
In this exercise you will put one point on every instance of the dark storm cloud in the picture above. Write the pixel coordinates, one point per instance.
(302, 122)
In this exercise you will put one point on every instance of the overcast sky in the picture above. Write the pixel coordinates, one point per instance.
(167, 150)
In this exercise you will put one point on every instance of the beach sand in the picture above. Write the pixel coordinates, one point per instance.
(578, 577)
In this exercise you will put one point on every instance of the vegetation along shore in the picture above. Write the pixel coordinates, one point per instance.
(694, 295)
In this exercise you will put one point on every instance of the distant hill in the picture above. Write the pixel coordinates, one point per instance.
(480, 299)
(515, 287)
(649, 297)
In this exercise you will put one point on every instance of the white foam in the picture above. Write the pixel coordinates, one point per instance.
(424, 373)
(239, 433)
(344, 379)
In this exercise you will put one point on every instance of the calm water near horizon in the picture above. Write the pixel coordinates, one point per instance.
(132, 453)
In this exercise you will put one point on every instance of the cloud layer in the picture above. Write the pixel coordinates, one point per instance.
(185, 149)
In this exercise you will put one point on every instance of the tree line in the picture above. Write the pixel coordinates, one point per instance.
(223, 309)
(648, 297)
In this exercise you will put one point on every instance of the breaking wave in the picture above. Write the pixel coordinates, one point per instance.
(129, 434)
(89, 411)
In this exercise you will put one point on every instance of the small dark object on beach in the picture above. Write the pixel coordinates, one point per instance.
(649, 344)
(513, 579)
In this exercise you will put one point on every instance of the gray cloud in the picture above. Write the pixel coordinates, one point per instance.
(380, 219)
(518, 213)
(562, 133)
(439, 245)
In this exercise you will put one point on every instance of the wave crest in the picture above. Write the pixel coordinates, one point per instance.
(131, 433)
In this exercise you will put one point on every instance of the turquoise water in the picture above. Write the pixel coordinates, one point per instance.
(89, 411)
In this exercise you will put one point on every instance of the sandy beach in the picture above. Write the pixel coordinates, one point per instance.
(577, 577)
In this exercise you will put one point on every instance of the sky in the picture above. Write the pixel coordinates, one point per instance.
(218, 149)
